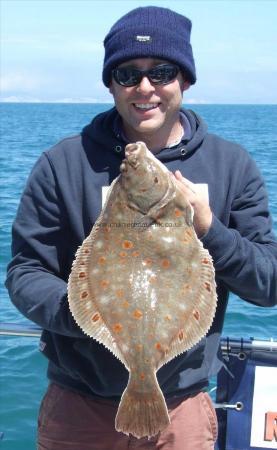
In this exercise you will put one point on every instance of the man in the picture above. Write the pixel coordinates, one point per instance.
(148, 64)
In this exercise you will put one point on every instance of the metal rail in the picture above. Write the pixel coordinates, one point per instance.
(241, 347)
(13, 329)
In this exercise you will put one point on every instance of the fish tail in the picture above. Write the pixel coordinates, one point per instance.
(142, 413)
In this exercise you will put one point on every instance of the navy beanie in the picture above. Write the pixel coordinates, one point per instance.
(150, 31)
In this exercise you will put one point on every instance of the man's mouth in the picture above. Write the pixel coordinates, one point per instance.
(146, 106)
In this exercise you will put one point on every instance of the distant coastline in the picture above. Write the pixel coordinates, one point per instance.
(61, 102)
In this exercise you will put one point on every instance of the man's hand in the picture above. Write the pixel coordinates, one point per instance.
(202, 212)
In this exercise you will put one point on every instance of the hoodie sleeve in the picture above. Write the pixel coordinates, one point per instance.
(36, 277)
(245, 253)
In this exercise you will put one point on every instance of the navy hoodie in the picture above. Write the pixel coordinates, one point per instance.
(61, 202)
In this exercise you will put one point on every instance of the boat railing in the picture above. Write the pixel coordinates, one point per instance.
(229, 346)
(13, 329)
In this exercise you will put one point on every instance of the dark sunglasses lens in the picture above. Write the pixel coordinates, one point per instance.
(127, 76)
(163, 74)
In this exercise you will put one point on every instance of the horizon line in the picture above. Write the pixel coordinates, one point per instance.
(57, 102)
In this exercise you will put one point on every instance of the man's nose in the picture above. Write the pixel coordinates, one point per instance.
(145, 86)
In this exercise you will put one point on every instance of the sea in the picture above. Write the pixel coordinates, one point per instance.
(29, 129)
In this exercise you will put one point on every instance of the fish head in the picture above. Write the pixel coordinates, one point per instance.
(143, 177)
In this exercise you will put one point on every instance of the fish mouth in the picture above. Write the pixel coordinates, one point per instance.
(134, 154)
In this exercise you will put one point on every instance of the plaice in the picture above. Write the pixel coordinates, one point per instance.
(142, 284)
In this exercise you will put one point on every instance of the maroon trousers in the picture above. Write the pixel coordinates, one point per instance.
(73, 421)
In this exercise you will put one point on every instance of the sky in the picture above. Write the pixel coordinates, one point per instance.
(52, 50)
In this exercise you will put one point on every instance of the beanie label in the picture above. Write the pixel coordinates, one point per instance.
(143, 38)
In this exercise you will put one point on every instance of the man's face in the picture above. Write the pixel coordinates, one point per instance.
(148, 108)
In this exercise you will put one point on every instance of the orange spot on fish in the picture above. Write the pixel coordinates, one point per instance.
(102, 260)
(205, 261)
(181, 335)
(127, 245)
(95, 317)
(165, 263)
(86, 251)
(82, 275)
(139, 347)
(207, 286)
(142, 376)
(122, 254)
(137, 314)
(135, 253)
(117, 327)
(158, 346)
(126, 304)
(104, 283)
(196, 314)
(119, 293)
(168, 317)
(177, 212)
(83, 295)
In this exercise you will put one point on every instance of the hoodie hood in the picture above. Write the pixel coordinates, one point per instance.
(102, 132)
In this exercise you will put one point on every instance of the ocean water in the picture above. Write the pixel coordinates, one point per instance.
(28, 129)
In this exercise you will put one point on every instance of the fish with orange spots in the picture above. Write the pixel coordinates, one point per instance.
(161, 301)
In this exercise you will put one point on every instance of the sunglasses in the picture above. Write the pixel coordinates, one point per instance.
(161, 74)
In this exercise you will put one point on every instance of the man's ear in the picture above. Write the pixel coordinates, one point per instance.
(111, 88)
(185, 85)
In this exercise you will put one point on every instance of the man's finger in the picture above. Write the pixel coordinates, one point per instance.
(185, 181)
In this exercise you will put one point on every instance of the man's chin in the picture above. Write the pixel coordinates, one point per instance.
(148, 128)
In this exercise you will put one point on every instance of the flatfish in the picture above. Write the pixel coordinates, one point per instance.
(142, 284)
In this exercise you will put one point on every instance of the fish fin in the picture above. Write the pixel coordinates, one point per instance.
(82, 304)
(142, 413)
(199, 317)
